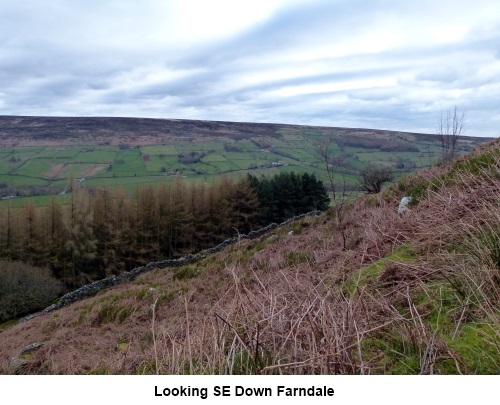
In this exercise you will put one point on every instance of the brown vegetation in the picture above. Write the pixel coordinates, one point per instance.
(54, 170)
(417, 294)
(94, 169)
(373, 178)
(54, 131)
(102, 232)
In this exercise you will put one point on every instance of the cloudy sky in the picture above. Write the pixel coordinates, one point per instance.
(388, 64)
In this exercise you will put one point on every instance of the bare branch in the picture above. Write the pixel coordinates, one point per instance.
(450, 128)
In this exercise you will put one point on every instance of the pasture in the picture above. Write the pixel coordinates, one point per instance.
(41, 168)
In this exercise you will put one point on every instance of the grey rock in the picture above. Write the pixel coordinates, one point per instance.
(30, 348)
(18, 365)
(272, 238)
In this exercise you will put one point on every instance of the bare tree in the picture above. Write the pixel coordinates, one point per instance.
(373, 178)
(331, 170)
(450, 128)
(339, 200)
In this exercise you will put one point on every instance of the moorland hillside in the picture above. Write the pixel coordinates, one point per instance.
(40, 156)
(356, 290)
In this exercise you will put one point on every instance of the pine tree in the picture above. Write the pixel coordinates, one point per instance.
(314, 194)
(288, 194)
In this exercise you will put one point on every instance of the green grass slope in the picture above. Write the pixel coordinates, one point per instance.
(358, 290)
(39, 155)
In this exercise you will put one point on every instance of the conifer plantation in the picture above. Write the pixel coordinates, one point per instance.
(104, 232)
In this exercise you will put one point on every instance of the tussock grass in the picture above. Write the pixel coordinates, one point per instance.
(366, 292)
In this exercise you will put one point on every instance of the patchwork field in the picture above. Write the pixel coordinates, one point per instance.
(41, 156)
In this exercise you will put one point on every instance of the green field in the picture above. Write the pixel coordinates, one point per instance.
(32, 170)
(96, 156)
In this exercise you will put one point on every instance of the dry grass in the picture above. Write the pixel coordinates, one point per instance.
(369, 293)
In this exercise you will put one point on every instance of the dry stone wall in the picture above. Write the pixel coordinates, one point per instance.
(93, 288)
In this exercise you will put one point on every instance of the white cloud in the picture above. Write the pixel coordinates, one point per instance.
(380, 63)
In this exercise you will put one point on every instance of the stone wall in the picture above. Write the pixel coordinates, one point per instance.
(93, 288)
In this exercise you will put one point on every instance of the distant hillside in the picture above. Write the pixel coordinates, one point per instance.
(27, 130)
(76, 129)
(40, 155)
(357, 290)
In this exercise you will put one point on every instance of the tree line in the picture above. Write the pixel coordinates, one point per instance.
(288, 194)
(103, 232)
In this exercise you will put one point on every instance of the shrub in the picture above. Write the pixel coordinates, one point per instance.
(373, 177)
(190, 157)
(25, 289)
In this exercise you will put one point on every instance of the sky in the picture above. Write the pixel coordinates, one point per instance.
(385, 64)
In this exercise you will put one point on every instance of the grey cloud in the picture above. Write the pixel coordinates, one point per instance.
(80, 58)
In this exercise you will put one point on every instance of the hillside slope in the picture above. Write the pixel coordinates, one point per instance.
(41, 156)
(358, 290)
(36, 130)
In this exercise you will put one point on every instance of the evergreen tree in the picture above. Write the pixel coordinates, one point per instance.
(314, 194)
(262, 187)
(288, 194)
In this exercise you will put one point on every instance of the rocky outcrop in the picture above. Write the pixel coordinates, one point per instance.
(20, 364)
